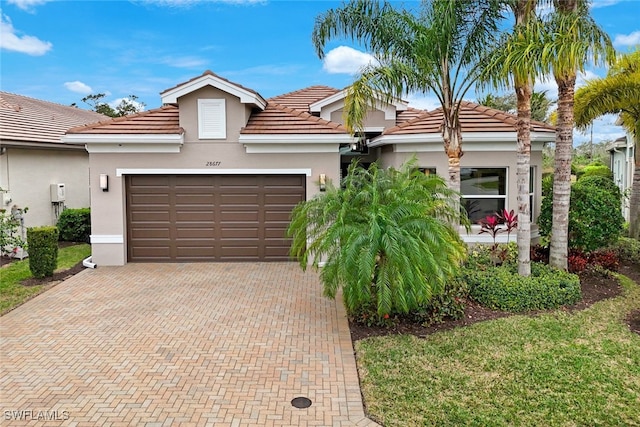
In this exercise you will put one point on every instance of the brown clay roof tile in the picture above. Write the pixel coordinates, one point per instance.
(163, 120)
(301, 99)
(281, 119)
(27, 119)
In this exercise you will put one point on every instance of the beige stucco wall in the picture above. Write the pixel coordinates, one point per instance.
(27, 174)
(374, 119)
(471, 158)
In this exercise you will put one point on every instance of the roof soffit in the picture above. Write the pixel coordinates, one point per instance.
(246, 96)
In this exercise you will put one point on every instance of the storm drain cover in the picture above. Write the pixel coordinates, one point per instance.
(301, 402)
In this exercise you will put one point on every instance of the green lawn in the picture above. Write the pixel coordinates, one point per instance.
(12, 293)
(557, 369)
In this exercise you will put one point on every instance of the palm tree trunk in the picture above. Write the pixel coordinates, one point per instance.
(634, 202)
(453, 147)
(523, 95)
(562, 173)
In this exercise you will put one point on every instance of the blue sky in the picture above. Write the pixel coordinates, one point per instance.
(60, 51)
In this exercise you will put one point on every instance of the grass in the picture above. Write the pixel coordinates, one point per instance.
(557, 369)
(12, 293)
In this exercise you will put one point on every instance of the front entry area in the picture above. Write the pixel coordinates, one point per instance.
(186, 218)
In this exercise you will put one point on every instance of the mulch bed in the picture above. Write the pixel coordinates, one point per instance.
(595, 287)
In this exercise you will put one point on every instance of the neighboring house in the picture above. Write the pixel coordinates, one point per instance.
(215, 172)
(33, 159)
(623, 167)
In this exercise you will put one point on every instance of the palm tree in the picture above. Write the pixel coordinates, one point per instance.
(513, 62)
(439, 51)
(617, 93)
(572, 39)
(385, 237)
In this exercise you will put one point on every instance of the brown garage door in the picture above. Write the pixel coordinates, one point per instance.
(172, 218)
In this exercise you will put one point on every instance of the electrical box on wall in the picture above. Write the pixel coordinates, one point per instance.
(58, 193)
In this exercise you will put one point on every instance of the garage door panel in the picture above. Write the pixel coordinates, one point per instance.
(213, 217)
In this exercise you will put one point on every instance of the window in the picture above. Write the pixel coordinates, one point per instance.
(484, 191)
(532, 207)
(212, 121)
(428, 171)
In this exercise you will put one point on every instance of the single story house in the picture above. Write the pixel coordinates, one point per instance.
(214, 173)
(623, 167)
(37, 170)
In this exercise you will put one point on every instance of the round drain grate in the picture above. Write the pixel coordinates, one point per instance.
(301, 402)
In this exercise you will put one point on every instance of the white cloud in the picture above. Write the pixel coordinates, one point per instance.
(27, 4)
(603, 3)
(346, 60)
(139, 106)
(78, 87)
(604, 129)
(627, 39)
(10, 40)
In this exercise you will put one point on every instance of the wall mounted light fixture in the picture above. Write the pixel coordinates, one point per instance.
(104, 182)
(323, 182)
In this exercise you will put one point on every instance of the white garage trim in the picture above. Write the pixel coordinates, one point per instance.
(141, 171)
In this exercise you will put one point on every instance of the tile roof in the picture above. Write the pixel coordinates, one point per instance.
(280, 119)
(163, 120)
(301, 99)
(473, 118)
(31, 120)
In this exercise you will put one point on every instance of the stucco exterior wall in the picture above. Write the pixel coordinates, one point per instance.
(28, 173)
(471, 158)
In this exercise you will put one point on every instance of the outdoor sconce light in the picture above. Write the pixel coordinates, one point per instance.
(104, 182)
(323, 182)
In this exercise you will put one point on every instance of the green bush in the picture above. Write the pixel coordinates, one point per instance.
(595, 217)
(502, 288)
(43, 250)
(75, 225)
(627, 249)
(595, 170)
(449, 304)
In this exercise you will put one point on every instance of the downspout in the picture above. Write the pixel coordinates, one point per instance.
(87, 263)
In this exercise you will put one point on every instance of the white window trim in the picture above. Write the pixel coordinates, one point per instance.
(219, 103)
(489, 196)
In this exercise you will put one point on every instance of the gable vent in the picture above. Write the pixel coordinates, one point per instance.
(212, 123)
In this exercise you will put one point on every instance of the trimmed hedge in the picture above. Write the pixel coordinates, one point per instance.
(43, 250)
(75, 225)
(502, 288)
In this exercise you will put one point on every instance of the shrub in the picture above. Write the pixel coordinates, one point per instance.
(504, 289)
(595, 169)
(605, 258)
(10, 237)
(75, 225)
(449, 304)
(43, 250)
(595, 218)
(627, 249)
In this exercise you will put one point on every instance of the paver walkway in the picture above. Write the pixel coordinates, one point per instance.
(180, 344)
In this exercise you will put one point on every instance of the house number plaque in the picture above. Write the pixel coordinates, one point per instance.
(214, 163)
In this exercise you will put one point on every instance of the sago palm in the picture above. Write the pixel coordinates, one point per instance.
(385, 237)
(617, 93)
(440, 50)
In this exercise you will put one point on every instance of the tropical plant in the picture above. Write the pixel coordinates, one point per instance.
(617, 93)
(512, 63)
(385, 237)
(129, 105)
(572, 38)
(440, 50)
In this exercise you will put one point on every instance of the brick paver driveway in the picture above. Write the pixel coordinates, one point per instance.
(180, 344)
